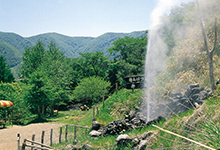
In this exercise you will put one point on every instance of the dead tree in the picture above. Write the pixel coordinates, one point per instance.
(209, 52)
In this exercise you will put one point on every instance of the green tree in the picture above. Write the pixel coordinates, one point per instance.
(14, 92)
(32, 59)
(5, 72)
(37, 93)
(57, 68)
(90, 90)
(89, 64)
(48, 72)
(129, 57)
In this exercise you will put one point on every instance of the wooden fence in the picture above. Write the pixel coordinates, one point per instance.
(40, 145)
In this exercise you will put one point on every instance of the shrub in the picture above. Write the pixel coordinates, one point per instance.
(90, 90)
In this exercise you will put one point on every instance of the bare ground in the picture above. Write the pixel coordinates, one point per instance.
(8, 136)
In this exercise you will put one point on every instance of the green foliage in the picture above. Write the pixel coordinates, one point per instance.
(5, 72)
(56, 67)
(129, 56)
(37, 93)
(32, 59)
(14, 92)
(90, 90)
(12, 55)
(120, 104)
(12, 46)
(47, 74)
(89, 64)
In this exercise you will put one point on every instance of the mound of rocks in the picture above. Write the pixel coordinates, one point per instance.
(176, 104)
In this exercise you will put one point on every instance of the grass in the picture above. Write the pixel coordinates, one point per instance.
(201, 125)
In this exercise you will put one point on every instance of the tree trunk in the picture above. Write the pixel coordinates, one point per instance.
(209, 52)
(38, 111)
(52, 109)
(211, 70)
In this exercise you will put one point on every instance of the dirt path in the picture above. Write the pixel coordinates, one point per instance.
(8, 136)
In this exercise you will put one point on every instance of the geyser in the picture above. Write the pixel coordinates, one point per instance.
(186, 36)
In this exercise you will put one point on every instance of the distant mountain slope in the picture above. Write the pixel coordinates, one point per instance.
(12, 45)
(12, 55)
(69, 45)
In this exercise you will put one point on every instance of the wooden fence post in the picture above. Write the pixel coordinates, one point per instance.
(33, 138)
(60, 135)
(51, 137)
(66, 127)
(93, 112)
(42, 137)
(74, 132)
(97, 111)
(23, 145)
(18, 139)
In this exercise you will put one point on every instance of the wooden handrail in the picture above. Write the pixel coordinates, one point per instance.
(78, 126)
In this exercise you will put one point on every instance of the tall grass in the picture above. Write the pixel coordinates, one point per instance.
(201, 124)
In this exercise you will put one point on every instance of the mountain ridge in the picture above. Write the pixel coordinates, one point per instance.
(12, 45)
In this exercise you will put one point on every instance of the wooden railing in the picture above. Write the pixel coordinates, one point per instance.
(75, 126)
(42, 145)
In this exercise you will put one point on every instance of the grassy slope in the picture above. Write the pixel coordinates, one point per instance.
(201, 124)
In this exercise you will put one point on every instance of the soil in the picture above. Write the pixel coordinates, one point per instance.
(8, 136)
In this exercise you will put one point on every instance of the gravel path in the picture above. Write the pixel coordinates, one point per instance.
(8, 136)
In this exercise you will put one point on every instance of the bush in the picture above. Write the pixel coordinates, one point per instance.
(14, 92)
(90, 90)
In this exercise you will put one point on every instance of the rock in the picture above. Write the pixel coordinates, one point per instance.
(96, 125)
(146, 135)
(142, 145)
(131, 114)
(87, 146)
(193, 86)
(123, 139)
(197, 105)
(66, 117)
(116, 127)
(95, 133)
(137, 109)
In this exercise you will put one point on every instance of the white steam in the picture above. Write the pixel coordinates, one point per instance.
(156, 51)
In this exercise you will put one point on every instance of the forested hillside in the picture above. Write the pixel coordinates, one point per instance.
(12, 45)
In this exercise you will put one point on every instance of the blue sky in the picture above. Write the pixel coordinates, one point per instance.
(74, 17)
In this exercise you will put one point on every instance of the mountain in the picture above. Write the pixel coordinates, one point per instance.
(12, 45)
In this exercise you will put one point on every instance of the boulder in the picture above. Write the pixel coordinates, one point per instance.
(95, 133)
(87, 146)
(96, 125)
(142, 145)
(131, 115)
(123, 139)
(116, 127)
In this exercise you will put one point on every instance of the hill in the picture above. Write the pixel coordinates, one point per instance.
(12, 45)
